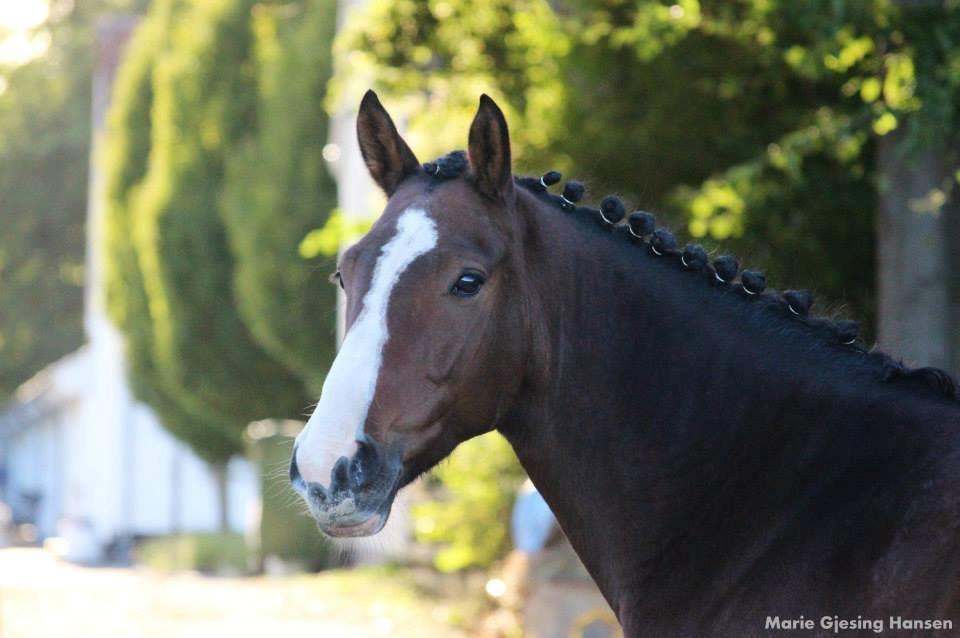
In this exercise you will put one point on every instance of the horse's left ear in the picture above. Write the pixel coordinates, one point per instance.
(490, 151)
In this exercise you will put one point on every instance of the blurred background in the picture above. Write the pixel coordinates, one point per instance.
(178, 176)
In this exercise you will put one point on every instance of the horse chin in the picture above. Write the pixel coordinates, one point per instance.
(367, 527)
(356, 515)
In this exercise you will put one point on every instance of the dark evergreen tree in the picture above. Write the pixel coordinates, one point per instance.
(126, 159)
(277, 188)
(198, 238)
(44, 153)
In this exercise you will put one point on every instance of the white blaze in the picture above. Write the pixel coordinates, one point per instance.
(348, 390)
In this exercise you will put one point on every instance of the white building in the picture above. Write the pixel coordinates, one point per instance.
(79, 457)
(85, 462)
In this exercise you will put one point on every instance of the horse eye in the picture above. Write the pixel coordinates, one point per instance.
(467, 285)
(337, 278)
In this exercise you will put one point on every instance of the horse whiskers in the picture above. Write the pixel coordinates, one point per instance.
(310, 409)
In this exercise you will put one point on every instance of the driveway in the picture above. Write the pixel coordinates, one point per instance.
(42, 597)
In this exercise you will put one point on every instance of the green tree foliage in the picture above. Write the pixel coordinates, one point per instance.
(468, 520)
(41, 246)
(434, 58)
(126, 162)
(44, 151)
(203, 95)
(277, 189)
(214, 175)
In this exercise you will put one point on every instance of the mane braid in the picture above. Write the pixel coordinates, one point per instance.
(449, 166)
(791, 306)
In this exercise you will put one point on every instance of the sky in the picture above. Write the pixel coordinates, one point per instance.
(17, 18)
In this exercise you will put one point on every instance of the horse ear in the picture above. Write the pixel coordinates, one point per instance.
(489, 150)
(387, 156)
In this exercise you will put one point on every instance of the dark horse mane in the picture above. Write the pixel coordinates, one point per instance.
(786, 312)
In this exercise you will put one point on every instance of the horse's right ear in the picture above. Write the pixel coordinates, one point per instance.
(387, 156)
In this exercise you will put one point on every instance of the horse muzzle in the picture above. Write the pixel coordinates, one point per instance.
(360, 493)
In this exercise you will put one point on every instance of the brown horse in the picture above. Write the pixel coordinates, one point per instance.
(722, 464)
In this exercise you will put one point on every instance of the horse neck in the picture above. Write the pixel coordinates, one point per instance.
(657, 410)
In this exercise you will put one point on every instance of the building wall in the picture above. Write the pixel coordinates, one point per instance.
(36, 476)
(86, 462)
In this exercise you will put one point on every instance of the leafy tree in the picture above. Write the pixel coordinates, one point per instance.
(126, 164)
(44, 151)
(41, 246)
(479, 482)
(277, 188)
(202, 102)
(214, 176)
(804, 205)
(434, 58)
(212, 183)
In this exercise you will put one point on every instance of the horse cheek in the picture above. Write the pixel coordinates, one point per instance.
(443, 359)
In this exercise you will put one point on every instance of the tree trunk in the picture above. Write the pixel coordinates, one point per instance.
(223, 495)
(914, 255)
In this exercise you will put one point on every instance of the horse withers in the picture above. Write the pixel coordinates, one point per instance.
(723, 464)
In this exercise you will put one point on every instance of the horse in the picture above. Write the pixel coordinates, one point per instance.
(723, 463)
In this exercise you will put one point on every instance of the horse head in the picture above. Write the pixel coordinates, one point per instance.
(437, 334)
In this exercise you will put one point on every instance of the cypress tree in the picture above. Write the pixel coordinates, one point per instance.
(44, 152)
(202, 102)
(277, 189)
(185, 104)
(126, 155)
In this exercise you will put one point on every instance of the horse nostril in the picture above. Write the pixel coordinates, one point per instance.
(363, 467)
(339, 476)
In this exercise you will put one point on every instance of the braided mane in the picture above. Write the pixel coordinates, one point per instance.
(641, 231)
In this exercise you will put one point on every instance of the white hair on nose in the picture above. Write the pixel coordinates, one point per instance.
(337, 422)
